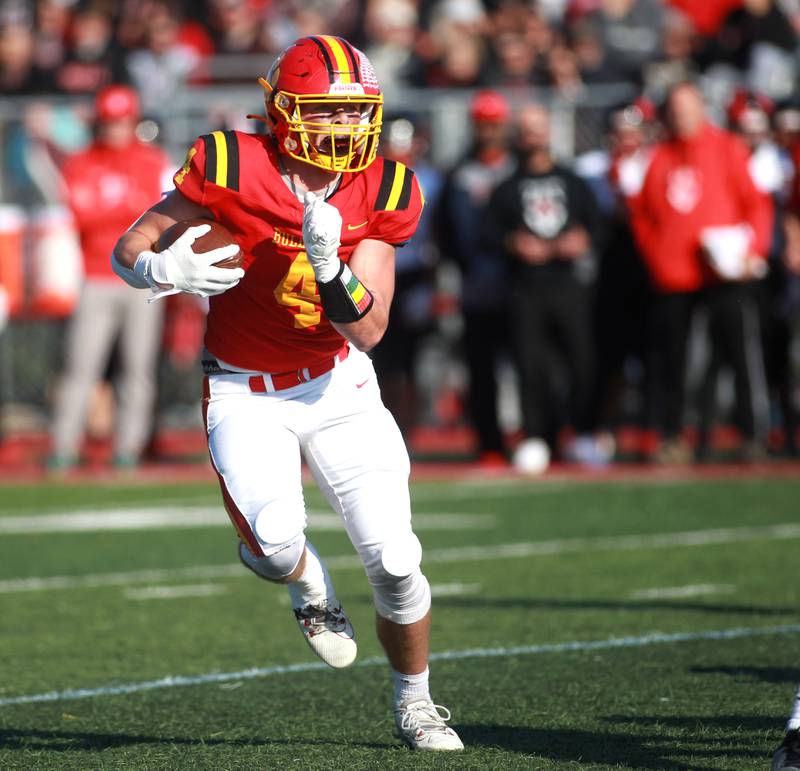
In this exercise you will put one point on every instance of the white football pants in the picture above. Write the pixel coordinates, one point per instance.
(349, 440)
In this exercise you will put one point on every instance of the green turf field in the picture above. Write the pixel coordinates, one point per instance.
(616, 625)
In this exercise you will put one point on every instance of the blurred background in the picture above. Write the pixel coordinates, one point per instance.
(473, 89)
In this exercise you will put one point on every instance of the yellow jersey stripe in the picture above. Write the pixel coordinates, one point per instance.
(222, 158)
(397, 187)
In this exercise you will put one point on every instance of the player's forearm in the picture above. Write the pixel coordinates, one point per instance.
(126, 257)
(367, 332)
(148, 228)
(129, 246)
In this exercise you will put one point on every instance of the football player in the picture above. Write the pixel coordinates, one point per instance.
(318, 216)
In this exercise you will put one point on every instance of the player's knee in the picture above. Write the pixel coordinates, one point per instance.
(402, 600)
(281, 539)
(400, 590)
(278, 560)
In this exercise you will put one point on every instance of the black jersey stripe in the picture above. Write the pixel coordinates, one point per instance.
(232, 144)
(326, 57)
(211, 157)
(386, 185)
(405, 194)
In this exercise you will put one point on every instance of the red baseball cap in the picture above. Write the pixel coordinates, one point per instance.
(116, 102)
(750, 111)
(489, 107)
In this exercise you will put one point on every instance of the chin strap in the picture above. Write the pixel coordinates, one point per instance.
(262, 118)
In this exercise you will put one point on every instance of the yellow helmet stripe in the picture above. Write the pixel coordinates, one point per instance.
(342, 65)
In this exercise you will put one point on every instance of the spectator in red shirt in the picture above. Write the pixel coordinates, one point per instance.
(108, 185)
(707, 16)
(704, 230)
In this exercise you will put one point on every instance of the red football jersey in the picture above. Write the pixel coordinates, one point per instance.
(272, 321)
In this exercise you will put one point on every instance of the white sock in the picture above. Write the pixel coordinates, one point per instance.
(410, 687)
(794, 720)
(314, 585)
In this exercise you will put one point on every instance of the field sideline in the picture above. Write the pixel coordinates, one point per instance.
(634, 623)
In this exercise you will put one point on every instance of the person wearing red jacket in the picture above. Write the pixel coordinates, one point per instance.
(107, 186)
(704, 230)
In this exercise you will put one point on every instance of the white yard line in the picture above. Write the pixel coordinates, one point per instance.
(617, 543)
(679, 592)
(175, 517)
(173, 592)
(574, 646)
(512, 487)
(454, 590)
(454, 554)
(125, 578)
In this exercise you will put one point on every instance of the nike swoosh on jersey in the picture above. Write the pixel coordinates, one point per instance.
(361, 385)
(356, 227)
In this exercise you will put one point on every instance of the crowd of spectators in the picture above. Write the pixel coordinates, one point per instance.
(78, 46)
(565, 266)
(663, 264)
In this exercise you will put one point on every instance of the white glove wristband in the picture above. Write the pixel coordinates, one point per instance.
(136, 280)
(143, 268)
(146, 264)
(326, 266)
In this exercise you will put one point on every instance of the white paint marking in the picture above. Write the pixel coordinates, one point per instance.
(115, 519)
(448, 521)
(170, 517)
(454, 590)
(677, 592)
(173, 592)
(575, 646)
(37, 584)
(431, 556)
(472, 489)
(616, 543)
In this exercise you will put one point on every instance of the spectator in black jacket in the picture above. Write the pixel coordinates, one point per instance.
(544, 220)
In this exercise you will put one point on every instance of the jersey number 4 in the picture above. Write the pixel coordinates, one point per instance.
(298, 291)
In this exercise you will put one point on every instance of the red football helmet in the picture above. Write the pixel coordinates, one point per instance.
(319, 71)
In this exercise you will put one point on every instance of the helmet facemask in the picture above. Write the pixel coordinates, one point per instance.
(333, 146)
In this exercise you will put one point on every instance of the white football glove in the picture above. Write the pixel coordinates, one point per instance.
(186, 270)
(322, 230)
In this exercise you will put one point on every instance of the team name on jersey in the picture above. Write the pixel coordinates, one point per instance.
(286, 239)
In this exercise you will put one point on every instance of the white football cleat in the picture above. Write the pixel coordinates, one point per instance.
(422, 726)
(329, 633)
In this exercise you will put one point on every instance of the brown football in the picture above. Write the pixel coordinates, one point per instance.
(218, 236)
